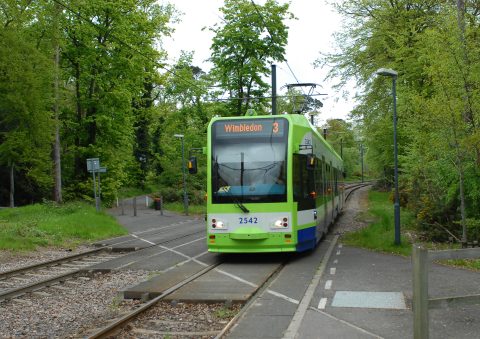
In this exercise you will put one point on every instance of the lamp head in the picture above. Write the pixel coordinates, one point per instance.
(178, 135)
(387, 72)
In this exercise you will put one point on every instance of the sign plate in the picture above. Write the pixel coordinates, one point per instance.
(250, 128)
(93, 164)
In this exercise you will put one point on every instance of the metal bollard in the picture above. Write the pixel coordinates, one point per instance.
(135, 206)
(161, 205)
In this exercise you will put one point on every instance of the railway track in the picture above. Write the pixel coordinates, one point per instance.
(138, 323)
(131, 322)
(113, 326)
(16, 283)
(350, 188)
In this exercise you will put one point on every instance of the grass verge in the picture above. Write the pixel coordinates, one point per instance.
(380, 235)
(26, 228)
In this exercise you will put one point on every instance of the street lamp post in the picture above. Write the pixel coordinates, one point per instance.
(393, 74)
(185, 198)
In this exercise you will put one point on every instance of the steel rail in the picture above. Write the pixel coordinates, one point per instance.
(353, 188)
(119, 323)
(10, 294)
(58, 261)
(259, 292)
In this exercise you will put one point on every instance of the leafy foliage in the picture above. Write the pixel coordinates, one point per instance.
(434, 47)
(249, 38)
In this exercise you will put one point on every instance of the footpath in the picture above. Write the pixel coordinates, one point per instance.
(364, 294)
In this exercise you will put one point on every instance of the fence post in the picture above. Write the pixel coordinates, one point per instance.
(420, 292)
(123, 208)
(134, 206)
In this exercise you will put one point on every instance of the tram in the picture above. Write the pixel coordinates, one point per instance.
(274, 184)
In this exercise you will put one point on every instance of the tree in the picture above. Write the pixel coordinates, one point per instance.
(25, 90)
(109, 57)
(341, 135)
(249, 38)
(438, 65)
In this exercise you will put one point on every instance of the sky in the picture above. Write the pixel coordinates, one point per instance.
(308, 36)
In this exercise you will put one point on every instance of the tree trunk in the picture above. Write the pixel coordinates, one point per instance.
(462, 205)
(12, 185)
(56, 146)
(468, 114)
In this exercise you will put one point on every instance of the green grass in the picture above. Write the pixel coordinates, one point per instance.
(68, 225)
(380, 235)
(179, 208)
(225, 313)
(473, 264)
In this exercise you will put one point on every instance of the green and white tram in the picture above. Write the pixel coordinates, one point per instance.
(274, 184)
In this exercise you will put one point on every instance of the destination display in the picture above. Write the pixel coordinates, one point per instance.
(250, 128)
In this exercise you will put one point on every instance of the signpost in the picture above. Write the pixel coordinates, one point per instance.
(93, 166)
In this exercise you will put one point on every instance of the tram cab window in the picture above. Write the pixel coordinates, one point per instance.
(249, 167)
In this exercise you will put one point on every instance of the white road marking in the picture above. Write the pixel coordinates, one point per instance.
(294, 326)
(328, 285)
(322, 304)
(333, 270)
(147, 241)
(340, 245)
(284, 297)
(338, 252)
(335, 261)
(347, 323)
(165, 249)
(236, 278)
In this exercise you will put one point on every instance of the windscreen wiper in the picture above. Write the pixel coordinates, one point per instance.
(239, 204)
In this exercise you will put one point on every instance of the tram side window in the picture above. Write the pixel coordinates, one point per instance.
(336, 181)
(303, 183)
(327, 180)
(319, 177)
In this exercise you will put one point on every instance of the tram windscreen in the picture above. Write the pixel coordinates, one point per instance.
(249, 160)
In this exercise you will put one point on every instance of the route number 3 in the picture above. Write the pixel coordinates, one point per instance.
(275, 127)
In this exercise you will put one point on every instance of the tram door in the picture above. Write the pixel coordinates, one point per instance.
(332, 189)
(303, 183)
(326, 220)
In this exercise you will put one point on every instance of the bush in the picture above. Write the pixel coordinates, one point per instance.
(197, 197)
(171, 194)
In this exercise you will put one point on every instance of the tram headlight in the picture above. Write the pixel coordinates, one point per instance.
(281, 223)
(218, 224)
